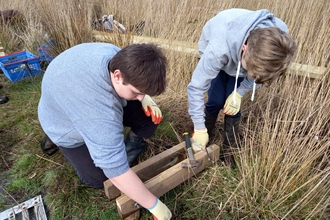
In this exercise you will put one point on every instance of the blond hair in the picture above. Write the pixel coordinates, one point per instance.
(269, 54)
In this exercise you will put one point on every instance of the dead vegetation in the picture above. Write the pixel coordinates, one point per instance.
(283, 166)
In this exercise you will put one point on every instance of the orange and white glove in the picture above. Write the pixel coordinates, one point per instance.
(160, 211)
(150, 108)
(199, 140)
(233, 104)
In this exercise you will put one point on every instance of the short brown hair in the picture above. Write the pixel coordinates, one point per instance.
(143, 66)
(269, 54)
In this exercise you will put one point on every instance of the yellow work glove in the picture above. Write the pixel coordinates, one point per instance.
(199, 140)
(160, 211)
(231, 108)
(151, 108)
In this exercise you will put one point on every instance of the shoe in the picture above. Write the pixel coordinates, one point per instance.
(231, 133)
(47, 146)
(134, 147)
(4, 99)
(210, 121)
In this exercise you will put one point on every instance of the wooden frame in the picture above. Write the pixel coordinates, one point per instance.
(150, 168)
(160, 174)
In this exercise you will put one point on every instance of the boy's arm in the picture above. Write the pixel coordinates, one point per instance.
(206, 70)
(130, 184)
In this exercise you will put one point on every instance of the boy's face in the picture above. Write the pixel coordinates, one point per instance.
(125, 91)
(244, 48)
(243, 62)
(250, 75)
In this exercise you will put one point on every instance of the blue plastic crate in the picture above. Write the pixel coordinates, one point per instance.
(20, 65)
(46, 51)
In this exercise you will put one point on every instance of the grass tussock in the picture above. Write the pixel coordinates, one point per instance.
(282, 168)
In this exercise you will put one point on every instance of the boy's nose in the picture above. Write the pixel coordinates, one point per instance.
(140, 97)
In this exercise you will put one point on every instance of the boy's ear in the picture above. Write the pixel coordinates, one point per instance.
(244, 47)
(117, 76)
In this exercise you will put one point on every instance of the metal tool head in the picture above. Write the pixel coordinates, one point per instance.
(192, 164)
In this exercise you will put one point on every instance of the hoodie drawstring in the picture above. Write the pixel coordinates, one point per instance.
(235, 88)
(254, 90)
(237, 73)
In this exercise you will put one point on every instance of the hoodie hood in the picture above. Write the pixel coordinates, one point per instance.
(239, 30)
(240, 27)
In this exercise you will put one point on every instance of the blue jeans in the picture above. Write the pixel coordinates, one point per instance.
(221, 87)
(80, 159)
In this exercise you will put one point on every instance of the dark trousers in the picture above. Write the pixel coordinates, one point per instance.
(221, 87)
(80, 159)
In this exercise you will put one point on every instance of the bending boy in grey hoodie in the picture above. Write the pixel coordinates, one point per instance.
(88, 94)
(240, 50)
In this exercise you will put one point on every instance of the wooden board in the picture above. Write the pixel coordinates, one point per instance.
(31, 209)
(168, 179)
(307, 70)
(191, 48)
(151, 167)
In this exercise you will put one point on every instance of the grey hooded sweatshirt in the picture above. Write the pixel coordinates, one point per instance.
(220, 48)
(79, 105)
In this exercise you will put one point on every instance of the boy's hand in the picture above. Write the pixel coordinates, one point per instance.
(160, 211)
(150, 108)
(196, 147)
(232, 106)
(199, 139)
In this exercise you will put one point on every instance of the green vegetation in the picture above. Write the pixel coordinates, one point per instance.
(282, 168)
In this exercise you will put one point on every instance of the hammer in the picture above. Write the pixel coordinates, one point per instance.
(192, 162)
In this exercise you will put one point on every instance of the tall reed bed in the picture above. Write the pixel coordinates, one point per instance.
(283, 166)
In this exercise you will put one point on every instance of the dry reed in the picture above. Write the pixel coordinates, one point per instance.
(283, 165)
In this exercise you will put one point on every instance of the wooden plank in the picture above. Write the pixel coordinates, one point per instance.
(31, 209)
(192, 48)
(307, 70)
(150, 168)
(111, 190)
(180, 46)
(167, 180)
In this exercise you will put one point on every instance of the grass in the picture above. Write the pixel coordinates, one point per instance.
(282, 167)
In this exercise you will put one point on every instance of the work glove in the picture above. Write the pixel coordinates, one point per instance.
(232, 107)
(199, 140)
(150, 108)
(160, 211)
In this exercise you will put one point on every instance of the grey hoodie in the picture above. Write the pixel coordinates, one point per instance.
(220, 48)
(79, 105)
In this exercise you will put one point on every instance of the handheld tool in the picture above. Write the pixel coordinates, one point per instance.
(192, 162)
